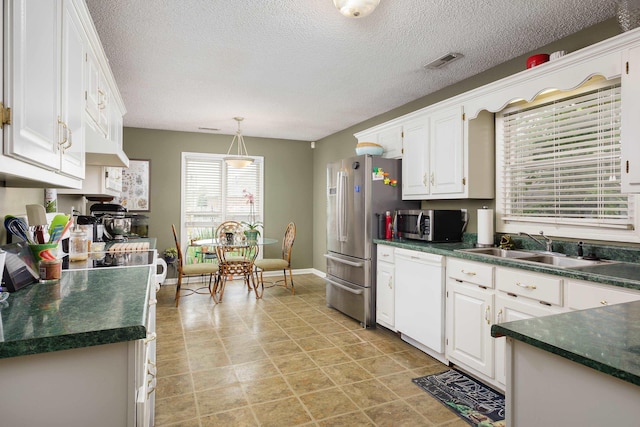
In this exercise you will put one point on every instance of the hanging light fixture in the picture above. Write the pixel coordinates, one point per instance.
(356, 8)
(242, 159)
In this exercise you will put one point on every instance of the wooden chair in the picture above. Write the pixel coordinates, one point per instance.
(235, 257)
(192, 270)
(283, 263)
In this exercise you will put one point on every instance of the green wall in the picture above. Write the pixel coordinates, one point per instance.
(287, 185)
(342, 144)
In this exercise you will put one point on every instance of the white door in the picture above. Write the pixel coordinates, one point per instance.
(385, 295)
(415, 160)
(72, 93)
(469, 321)
(420, 297)
(446, 152)
(32, 81)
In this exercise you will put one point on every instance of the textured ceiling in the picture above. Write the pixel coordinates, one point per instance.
(299, 69)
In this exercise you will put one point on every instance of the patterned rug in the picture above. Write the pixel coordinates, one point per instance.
(471, 400)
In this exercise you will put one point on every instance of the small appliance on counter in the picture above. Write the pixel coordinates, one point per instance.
(432, 225)
(116, 226)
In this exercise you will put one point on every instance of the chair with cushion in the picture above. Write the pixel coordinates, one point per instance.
(193, 270)
(283, 263)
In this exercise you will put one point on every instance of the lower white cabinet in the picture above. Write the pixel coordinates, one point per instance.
(419, 308)
(385, 287)
(582, 295)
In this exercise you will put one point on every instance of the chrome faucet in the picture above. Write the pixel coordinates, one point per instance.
(548, 243)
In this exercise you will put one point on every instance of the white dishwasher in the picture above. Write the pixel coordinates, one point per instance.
(420, 302)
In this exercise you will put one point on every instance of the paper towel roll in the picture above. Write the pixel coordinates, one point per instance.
(485, 227)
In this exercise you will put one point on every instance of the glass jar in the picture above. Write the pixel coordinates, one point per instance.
(78, 246)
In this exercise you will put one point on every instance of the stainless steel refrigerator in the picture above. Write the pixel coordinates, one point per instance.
(356, 192)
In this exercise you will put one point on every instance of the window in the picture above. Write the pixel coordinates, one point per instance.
(212, 193)
(558, 166)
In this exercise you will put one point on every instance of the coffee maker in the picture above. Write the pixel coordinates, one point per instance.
(112, 217)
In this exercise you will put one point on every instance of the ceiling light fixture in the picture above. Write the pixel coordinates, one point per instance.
(242, 159)
(356, 8)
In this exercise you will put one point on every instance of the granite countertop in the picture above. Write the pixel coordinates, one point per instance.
(86, 308)
(605, 338)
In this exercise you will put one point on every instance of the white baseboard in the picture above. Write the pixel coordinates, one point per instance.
(174, 280)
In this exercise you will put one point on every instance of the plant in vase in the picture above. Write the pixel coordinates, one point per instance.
(170, 255)
(252, 232)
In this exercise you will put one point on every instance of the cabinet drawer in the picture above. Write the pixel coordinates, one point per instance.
(539, 287)
(471, 272)
(385, 253)
(581, 295)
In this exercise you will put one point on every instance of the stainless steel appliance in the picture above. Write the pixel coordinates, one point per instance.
(116, 226)
(356, 192)
(431, 225)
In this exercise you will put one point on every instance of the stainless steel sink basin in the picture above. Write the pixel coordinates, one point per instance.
(497, 252)
(551, 259)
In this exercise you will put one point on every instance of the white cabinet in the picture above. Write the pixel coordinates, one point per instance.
(470, 311)
(99, 181)
(385, 287)
(582, 295)
(630, 132)
(43, 85)
(446, 157)
(97, 94)
(419, 309)
(388, 136)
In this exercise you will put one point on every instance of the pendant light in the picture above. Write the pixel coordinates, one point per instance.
(356, 8)
(242, 159)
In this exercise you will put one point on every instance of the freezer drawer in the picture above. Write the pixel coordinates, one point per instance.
(350, 269)
(354, 301)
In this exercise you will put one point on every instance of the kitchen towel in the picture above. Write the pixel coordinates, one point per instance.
(485, 227)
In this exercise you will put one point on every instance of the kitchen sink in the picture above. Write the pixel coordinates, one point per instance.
(551, 259)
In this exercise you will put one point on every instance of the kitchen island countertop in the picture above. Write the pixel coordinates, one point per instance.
(86, 308)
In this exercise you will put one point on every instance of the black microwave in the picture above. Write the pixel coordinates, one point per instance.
(431, 225)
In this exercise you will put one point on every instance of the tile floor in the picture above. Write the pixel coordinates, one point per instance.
(285, 361)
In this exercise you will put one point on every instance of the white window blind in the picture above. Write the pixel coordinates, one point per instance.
(214, 192)
(560, 162)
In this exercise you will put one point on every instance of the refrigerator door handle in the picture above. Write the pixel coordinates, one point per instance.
(346, 288)
(341, 211)
(344, 261)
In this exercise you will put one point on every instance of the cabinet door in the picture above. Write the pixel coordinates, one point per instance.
(391, 140)
(415, 162)
(385, 295)
(72, 92)
(469, 318)
(630, 131)
(446, 152)
(509, 309)
(96, 95)
(32, 81)
(113, 179)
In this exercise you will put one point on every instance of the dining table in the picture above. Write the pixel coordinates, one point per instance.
(235, 256)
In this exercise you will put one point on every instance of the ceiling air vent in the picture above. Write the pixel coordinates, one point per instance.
(443, 60)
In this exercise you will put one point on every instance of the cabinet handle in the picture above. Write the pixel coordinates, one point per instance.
(69, 140)
(526, 286)
(424, 179)
(101, 100)
(390, 283)
(468, 273)
(604, 302)
(499, 320)
(62, 126)
(487, 313)
(150, 337)
(432, 178)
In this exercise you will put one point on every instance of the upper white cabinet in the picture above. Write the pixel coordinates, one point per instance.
(390, 137)
(99, 181)
(44, 85)
(630, 131)
(445, 157)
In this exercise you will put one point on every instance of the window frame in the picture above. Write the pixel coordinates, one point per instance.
(558, 229)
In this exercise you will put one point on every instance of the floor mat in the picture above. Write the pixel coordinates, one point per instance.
(471, 400)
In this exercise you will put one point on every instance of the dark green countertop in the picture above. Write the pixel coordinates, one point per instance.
(605, 338)
(87, 308)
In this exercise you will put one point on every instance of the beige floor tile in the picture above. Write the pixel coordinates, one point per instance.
(354, 419)
(174, 385)
(175, 409)
(267, 389)
(203, 360)
(329, 356)
(281, 348)
(361, 351)
(171, 351)
(241, 417)
(294, 363)
(239, 342)
(168, 367)
(309, 381)
(212, 345)
(401, 384)
(285, 412)
(302, 332)
(248, 354)
(347, 373)
(328, 403)
(220, 399)
(329, 328)
(413, 359)
(214, 378)
(381, 365)
(314, 343)
(369, 393)
(256, 370)
(397, 414)
(344, 338)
